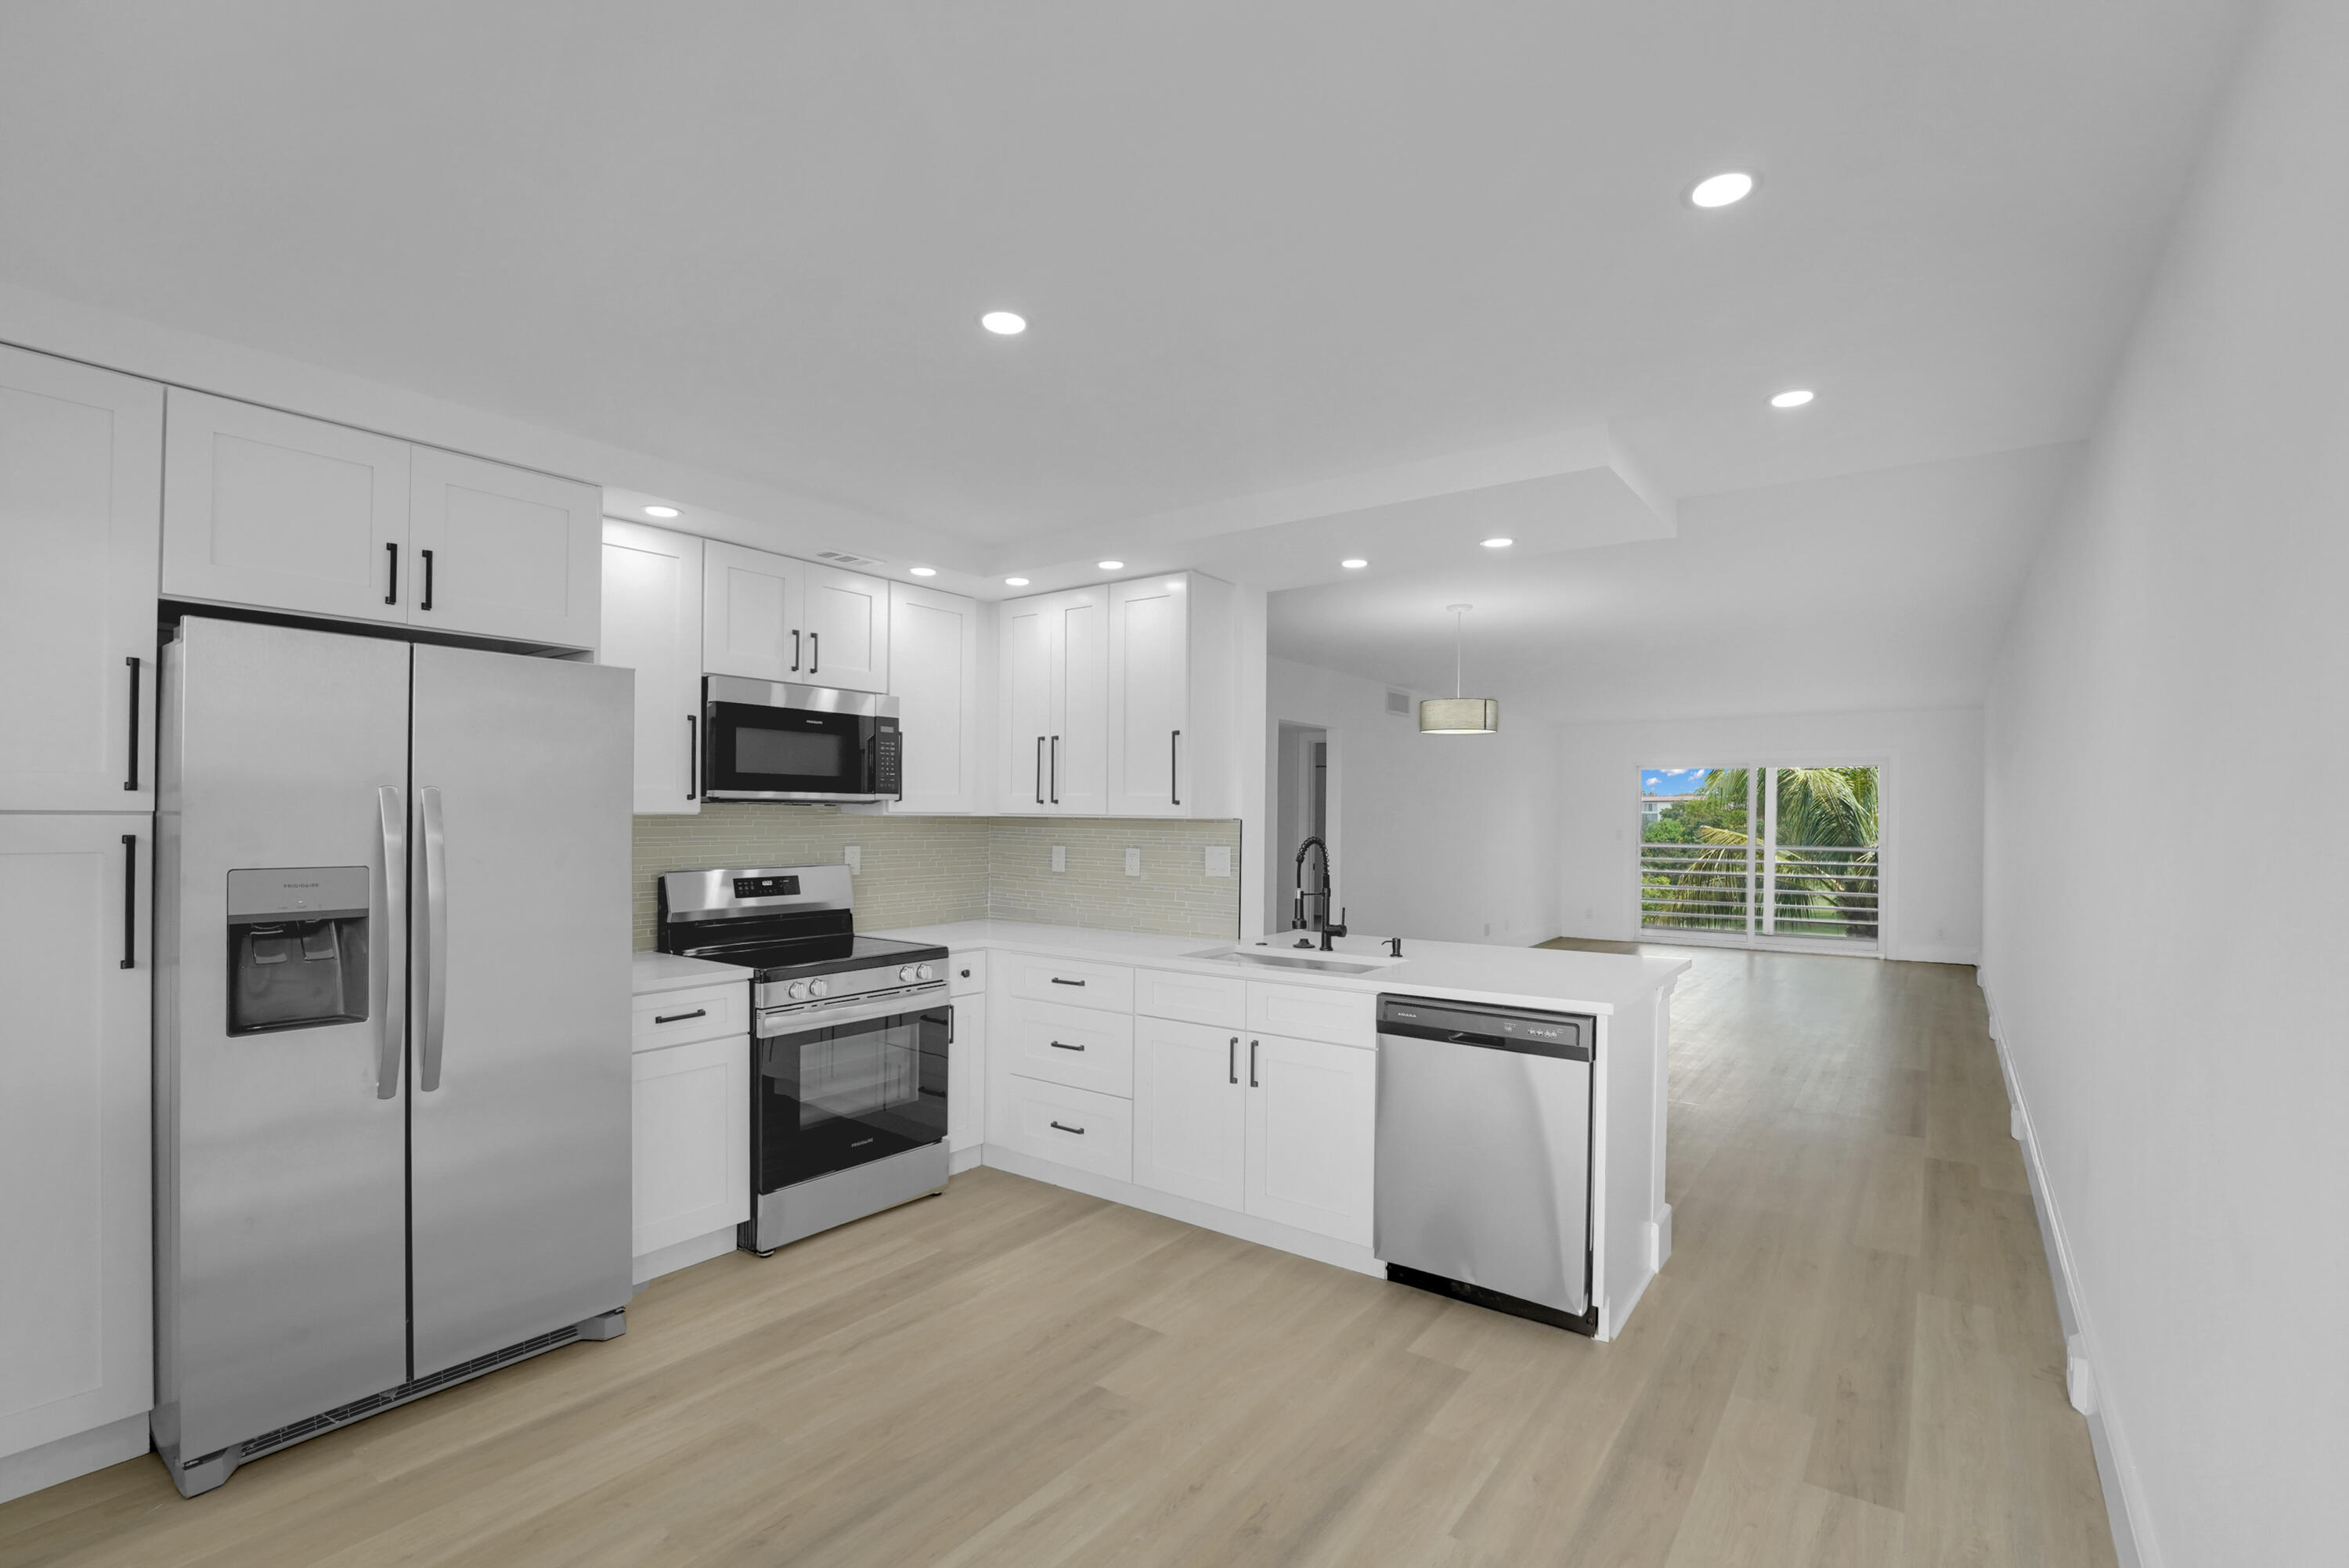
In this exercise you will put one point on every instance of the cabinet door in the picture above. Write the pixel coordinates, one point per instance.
(81, 453)
(966, 1075)
(846, 618)
(271, 510)
(502, 552)
(652, 624)
(751, 615)
(74, 1293)
(1149, 695)
(1190, 1111)
(1310, 1115)
(934, 674)
(692, 1163)
(1076, 766)
(1025, 709)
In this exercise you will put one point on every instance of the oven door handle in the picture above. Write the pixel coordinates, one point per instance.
(774, 1023)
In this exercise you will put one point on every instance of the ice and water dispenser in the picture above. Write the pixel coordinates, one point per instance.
(297, 948)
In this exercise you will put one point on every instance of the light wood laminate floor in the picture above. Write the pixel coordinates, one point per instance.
(1852, 1358)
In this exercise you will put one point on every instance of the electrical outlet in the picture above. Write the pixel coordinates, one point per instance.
(1132, 862)
(1488, 928)
(1219, 859)
(1060, 857)
(855, 856)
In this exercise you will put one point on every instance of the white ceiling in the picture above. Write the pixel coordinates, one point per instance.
(1274, 256)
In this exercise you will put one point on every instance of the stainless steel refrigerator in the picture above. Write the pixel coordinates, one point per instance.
(391, 1046)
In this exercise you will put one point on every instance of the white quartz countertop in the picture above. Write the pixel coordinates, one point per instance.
(1519, 976)
(652, 973)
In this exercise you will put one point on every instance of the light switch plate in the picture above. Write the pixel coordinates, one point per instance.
(1060, 857)
(1132, 862)
(1219, 859)
(855, 855)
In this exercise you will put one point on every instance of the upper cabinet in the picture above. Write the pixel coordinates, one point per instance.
(80, 453)
(652, 624)
(1053, 709)
(771, 618)
(934, 659)
(282, 513)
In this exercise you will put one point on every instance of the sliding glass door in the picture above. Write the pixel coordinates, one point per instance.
(1761, 856)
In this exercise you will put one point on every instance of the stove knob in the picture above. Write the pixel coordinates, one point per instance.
(819, 988)
(925, 972)
(906, 975)
(797, 990)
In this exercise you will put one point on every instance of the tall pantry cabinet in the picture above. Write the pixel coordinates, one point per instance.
(80, 497)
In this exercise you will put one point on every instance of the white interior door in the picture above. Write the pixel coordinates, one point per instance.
(1076, 765)
(76, 1302)
(1026, 673)
(652, 624)
(1190, 1111)
(751, 615)
(846, 618)
(1312, 1108)
(81, 454)
(934, 673)
(276, 510)
(1148, 689)
(502, 552)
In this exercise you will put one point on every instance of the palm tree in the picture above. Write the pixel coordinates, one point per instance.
(1830, 811)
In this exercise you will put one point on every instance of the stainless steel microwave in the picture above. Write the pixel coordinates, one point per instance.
(771, 741)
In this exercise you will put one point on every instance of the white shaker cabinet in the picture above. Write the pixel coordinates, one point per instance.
(273, 510)
(652, 624)
(1311, 1115)
(76, 1316)
(966, 1075)
(81, 455)
(1169, 697)
(750, 609)
(692, 1159)
(502, 551)
(1054, 650)
(935, 675)
(846, 618)
(1190, 1111)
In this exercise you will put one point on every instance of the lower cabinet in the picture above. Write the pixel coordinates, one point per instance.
(1068, 1126)
(966, 1075)
(1190, 1101)
(692, 1141)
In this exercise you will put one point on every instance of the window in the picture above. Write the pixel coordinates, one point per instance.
(1761, 856)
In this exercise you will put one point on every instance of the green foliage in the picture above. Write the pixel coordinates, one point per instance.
(1820, 809)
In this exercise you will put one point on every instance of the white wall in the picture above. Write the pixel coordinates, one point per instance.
(1931, 797)
(2167, 984)
(1434, 836)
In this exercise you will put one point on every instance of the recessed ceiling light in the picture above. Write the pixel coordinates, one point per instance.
(1722, 190)
(1498, 543)
(1353, 564)
(660, 511)
(1015, 583)
(1110, 565)
(1793, 398)
(923, 570)
(1004, 323)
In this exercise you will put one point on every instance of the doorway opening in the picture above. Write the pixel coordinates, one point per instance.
(1303, 786)
(1762, 856)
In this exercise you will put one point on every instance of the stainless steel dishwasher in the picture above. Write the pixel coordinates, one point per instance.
(1484, 1156)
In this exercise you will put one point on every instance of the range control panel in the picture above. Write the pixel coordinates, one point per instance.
(766, 887)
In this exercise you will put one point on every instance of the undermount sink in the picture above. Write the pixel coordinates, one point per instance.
(1314, 960)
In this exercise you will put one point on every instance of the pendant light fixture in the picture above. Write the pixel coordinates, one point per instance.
(1457, 715)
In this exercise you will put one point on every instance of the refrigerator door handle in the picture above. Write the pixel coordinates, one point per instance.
(436, 941)
(392, 1042)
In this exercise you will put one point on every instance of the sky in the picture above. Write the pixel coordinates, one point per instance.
(1671, 780)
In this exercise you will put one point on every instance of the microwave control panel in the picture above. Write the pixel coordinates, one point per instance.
(884, 759)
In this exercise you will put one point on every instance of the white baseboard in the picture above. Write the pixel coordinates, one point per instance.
(21, 1474)
(1190, 1211)
(1936, 953)
(1660, 1235)
(684, 1254)
(2125, 1503)
(966, 1158)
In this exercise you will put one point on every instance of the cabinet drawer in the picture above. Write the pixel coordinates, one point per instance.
(1343, 1017)
(1074, 1045)
(1213, 1000)
(967, 973)
(702, 1012)
(1109, 986)
(1068, 1126)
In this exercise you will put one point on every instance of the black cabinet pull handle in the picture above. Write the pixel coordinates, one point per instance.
(133, 782)
(427, 579)
(1232, 1060)
(681, 1018)
(795, 649)
(1066, 1128)
(130, 900)
(1058, 980)
(692, 754)
(1059, 1046)
(391, 583)
(1039, 771)
(1056, 770)
(1175, 769)
(815, 652)
(1252, 1046)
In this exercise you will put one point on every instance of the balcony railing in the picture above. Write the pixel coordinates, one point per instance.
(1808, 890)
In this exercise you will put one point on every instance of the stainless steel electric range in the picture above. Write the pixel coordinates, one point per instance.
(848, 1060)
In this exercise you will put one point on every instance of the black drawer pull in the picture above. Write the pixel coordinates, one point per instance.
(681, 1018)
(1058, 980)
(1066, 1128)
(1058, 1045)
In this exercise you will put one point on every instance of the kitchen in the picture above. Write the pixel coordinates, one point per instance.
(1151, 887)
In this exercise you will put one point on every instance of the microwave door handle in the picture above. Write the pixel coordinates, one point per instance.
(392, 1043)
(435, 965)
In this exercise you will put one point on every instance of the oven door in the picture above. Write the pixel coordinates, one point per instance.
(858, 1087)
(761, 752)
